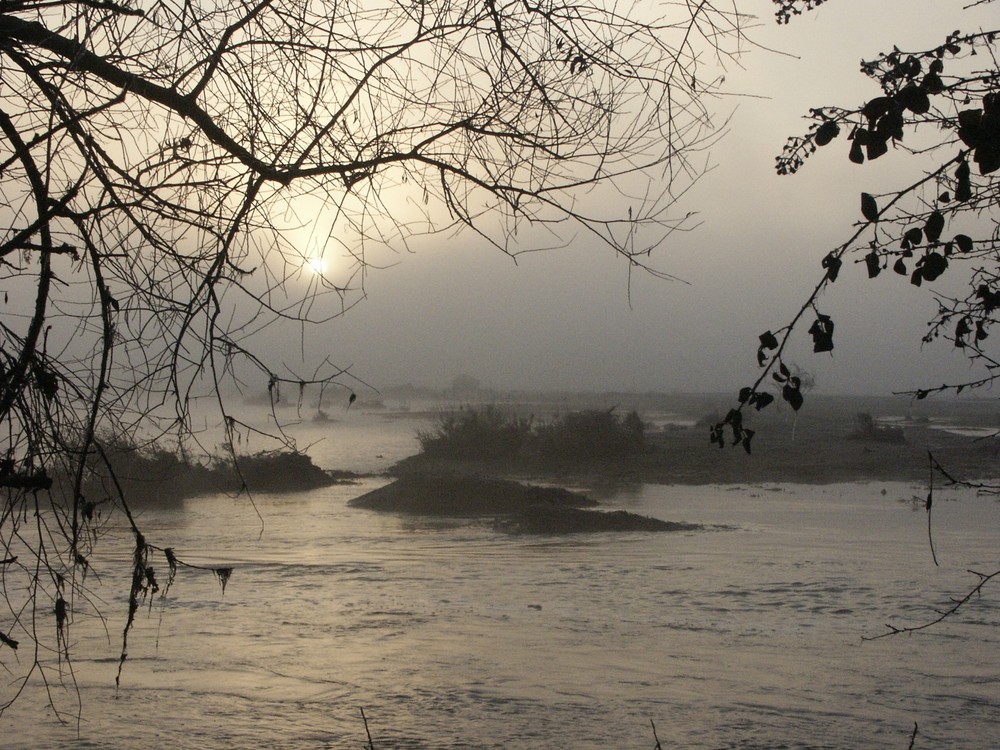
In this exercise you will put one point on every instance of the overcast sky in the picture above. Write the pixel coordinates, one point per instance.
(562, 319)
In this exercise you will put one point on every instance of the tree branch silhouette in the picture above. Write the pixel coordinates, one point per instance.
(153, 169)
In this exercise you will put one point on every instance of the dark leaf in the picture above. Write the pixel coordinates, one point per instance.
(991, 299)
(934, 226)
(991, 104)
(961, 331)
(899, 267)
(223, 574)
(793, 396)
(874, 266)
(877, 107)
(716, 436)
(827, 132)
(745, 394)
(987, 156)
(763, 399)
(878, 145)
(932, 265)
(913, 236)
(822, 333)
(932, 83)
(869, 207)
(916, 278)
(768, 340)
(981, 332)
(915, 99)
(968, 126)
(832, 265)
(890, 125)
(963, 183)
(857, 154)
(922, 394)
(964, 243)
(747, 437)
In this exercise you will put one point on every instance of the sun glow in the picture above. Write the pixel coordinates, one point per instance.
(317, 264)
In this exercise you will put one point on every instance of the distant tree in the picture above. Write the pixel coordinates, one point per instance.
(465, 385)
(153, 155)
(941, 106)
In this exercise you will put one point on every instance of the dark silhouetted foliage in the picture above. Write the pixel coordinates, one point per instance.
(490, 433)
(946, 101)
(160, 161)
(476, 433)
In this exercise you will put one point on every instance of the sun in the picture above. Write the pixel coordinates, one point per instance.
(317, 264)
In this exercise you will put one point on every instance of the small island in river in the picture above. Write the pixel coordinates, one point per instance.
(512, 506)
(494, 461)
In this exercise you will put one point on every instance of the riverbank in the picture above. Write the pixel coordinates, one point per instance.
(828, 441)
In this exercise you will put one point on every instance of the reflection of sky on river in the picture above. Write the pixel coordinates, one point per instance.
(456, 637)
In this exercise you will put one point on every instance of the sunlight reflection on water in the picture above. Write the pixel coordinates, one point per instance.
(745, 635)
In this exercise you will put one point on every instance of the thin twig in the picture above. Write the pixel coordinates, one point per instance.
(984, 578)
(370, 745)
(930, 502)
(658, 745)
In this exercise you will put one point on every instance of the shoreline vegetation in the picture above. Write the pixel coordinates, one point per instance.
(500, 462)
(472, 448)
(154, 474)
(834, 440)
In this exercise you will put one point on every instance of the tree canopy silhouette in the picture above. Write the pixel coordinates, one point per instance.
(941, 106)
(154, 155)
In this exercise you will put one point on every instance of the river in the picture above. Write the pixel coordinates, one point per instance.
(748, 634)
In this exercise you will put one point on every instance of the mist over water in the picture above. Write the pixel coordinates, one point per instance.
(451, 635)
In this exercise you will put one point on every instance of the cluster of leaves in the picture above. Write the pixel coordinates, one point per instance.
(951, 94)
(789, 384)
(788, 8)
(491, 433)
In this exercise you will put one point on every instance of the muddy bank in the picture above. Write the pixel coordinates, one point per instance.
(542, 520)
(469, 496)
(513, 507)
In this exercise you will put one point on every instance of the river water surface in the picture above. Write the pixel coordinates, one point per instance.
(745, 635)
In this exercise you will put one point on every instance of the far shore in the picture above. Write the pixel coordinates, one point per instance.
(818, 445)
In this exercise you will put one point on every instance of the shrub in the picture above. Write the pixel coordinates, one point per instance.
(590, 434)
(491, 433)
(476, 433)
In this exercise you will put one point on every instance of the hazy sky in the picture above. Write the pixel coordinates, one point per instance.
(562, 320)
